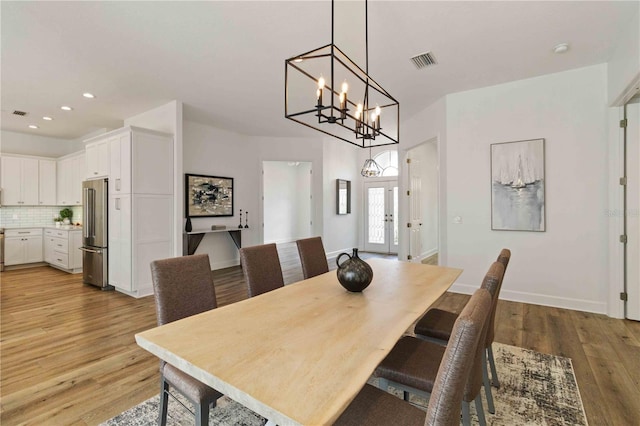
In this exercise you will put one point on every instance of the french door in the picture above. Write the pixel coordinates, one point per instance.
(381, 214)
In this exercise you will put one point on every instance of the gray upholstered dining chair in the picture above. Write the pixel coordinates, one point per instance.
(374, 406)
(261, 268)
(183, 286)
(412, 364)
(312, 257)
(436, 326)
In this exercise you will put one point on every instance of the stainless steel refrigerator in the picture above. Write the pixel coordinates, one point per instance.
(95, 234)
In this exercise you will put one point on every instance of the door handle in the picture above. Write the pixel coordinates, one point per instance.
(118, 185)
(88, 250)
(85, 204)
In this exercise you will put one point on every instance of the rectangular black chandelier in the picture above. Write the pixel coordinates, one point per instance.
(327, 91)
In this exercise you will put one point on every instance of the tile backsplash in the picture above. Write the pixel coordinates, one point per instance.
(36, 216)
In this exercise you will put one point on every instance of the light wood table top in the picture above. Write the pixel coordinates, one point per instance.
(300, 354)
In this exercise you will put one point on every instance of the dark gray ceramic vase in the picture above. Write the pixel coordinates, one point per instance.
(354, 273)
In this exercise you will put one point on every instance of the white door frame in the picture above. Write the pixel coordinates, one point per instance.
(434, 140)
(391, 248)
(258, 220)
(403, 179)
(615, 306)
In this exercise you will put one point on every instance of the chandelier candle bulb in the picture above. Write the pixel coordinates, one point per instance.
(320, 88)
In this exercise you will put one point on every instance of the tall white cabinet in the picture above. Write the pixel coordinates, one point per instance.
(140, 205)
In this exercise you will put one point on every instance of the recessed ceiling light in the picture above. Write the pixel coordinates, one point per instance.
(561, 48)
(66, 108)
(33, 126)
(89, 95)
(47, 118)
(298, 60)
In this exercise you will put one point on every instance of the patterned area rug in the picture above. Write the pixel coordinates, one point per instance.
(536, 389)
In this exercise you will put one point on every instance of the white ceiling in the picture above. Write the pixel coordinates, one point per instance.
(225, 60)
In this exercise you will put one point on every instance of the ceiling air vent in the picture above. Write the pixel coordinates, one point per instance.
(423, 60)
(20, 113)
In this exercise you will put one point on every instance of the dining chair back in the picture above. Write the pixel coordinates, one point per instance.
(261, 268)
(312, 256)
(375, 406)
(457, 362)
(183, 286)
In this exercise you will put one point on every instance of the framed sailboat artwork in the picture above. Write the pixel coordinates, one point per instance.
(517, 186)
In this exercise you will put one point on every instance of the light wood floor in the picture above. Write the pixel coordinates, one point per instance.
(68, 356)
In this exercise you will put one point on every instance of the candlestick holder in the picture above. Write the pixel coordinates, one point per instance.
(240, 226)
(246, 219)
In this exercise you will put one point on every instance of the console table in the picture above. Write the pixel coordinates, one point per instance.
(191, 240)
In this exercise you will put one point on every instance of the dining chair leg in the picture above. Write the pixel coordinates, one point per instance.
(466, 414)
(480, 411)
(164, 401)
(383, 384)
(487, 386)
(494, 376)
(202, 414)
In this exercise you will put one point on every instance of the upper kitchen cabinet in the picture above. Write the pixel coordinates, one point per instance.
(140, 161)
(20, 177)
(97, 158)
(71, 173)
(47, 183)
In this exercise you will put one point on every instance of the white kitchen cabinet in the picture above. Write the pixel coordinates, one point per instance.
(140, 205)
(23, 246)
(97, 159)
(62, 249)
(71, 173)
(47, 183)
(19, 181)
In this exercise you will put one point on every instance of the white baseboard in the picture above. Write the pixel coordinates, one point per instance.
(429, 253)
(137, 294)
(224, 264)
(539, 299)
(331, 256)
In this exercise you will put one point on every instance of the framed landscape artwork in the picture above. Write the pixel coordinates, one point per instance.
(207, 196)
(517, 186)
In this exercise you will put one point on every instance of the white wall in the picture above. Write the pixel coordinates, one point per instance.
(624, 64)
(168, 118)
(565, 266)
(216, 152)
(341, 161)
(212, 151)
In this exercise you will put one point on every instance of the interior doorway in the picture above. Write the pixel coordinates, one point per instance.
(381, 213)
(424, 234)
(287, 201)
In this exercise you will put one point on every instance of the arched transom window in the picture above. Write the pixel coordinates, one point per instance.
(388, 162)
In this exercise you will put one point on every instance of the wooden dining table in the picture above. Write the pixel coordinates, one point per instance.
(298, 355)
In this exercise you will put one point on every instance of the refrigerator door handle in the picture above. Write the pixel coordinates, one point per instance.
(88, 250)
(92, 212)
(85, 203)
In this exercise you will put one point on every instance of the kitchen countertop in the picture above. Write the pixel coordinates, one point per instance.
(63, 227)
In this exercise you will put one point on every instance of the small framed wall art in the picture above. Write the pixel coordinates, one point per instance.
(343, 196)
(517, 186)
(208, 196)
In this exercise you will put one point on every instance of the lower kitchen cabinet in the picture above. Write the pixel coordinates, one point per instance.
(23, 246)
(62, 249)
